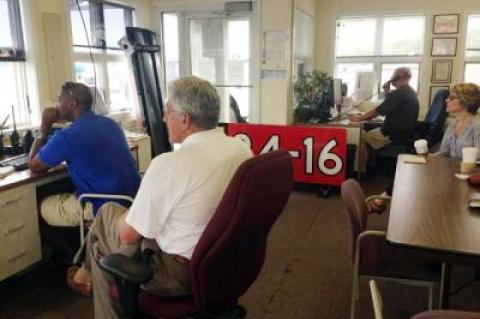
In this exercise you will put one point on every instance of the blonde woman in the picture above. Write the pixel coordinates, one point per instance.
(462, 103)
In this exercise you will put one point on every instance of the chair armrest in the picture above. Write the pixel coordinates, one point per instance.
(85, 196)
(130, 269)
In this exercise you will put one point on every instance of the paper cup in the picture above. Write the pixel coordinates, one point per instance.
(421, 146)
(469, 154)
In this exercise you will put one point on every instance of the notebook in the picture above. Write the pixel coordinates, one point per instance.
(414, 159)
(6, 170)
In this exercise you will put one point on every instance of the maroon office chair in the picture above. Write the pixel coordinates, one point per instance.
(373, 257)
(447, 314)
(231, 251)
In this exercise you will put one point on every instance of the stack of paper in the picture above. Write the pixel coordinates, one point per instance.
(6, 170)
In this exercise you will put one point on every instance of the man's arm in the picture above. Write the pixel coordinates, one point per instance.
(364, 117)
(49, 116)
(128, 235)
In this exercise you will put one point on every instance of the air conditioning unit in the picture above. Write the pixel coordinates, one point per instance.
(240, 6)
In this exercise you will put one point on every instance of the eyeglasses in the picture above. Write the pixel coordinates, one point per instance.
(452, 97)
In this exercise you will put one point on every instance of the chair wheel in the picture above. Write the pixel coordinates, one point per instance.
(324, 191)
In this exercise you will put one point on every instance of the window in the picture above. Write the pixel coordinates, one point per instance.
(12, 66)
(472, 53)
(303, 40)
(96, 36)
(171, 46)
(377, 45)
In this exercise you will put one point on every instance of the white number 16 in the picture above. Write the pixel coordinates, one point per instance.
(325, 155)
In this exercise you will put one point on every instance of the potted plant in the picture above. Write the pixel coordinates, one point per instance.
(308, 90)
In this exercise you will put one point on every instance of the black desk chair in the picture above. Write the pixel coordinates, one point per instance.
(431, 128)
(236, 111)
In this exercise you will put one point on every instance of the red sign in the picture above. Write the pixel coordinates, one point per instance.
(319, 153)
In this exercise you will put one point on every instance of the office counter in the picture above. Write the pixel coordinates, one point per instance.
(19, 229)
(19, 232)
(355, 132)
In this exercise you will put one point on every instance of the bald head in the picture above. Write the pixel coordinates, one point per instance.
(401, 76)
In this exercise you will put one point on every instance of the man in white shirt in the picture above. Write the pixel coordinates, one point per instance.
(177, 197)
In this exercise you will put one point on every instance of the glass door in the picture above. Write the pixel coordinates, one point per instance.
(220, 53)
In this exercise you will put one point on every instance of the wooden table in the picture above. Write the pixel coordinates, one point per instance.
(429, 211)
(429, 208)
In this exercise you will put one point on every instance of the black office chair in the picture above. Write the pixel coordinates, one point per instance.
(236, 110)
(431, 128)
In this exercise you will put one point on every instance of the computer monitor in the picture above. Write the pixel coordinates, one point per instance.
(337, 92)
(322, 112)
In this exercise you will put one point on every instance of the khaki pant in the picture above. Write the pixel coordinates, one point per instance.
(375, 140)
(64, 210)
(170, 277)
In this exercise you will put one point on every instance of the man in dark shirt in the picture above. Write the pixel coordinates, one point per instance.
(95, 149)
(400, 109)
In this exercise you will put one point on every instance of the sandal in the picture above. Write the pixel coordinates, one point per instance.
(84, 289)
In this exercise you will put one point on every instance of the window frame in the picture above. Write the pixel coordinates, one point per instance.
(99, 50)
(15, 56)
(17, 51)
(376, 58)
(469, 60)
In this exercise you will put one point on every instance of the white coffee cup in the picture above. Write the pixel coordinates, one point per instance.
(421, 146)
(469, 154)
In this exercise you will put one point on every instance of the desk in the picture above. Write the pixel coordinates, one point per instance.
(19, 231)
(355, 132)
(429, 208)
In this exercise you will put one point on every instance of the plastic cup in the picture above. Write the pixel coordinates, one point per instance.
(466, 168)
(421, 146)
(469, 154)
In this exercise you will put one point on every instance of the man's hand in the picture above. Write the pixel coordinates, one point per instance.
(354, 118)
(386, 87)
(49, 116)
(128, 235)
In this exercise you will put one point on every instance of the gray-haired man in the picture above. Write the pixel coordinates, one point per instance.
(176, 199)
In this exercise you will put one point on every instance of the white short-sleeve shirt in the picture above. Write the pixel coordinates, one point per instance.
(182, 189)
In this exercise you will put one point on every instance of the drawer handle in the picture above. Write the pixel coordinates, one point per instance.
(17, 256)
(13, 229)
(10, 202)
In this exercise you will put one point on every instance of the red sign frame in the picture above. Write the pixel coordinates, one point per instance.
(319, 153)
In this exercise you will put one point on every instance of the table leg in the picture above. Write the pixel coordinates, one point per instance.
(445, 285)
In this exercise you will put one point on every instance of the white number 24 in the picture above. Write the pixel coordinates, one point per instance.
(273, 143)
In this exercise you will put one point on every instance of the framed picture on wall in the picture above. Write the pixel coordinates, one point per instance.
(444, 46)
(434, 90)
(441, 71)
(445, 23)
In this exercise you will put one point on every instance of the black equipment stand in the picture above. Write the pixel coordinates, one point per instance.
(145, 48)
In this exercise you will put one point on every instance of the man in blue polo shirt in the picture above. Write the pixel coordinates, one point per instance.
(95, 149)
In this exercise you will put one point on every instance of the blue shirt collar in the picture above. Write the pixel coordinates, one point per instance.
(86, 114)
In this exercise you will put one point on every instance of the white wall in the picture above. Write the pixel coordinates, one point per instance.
(328, 10)
(275, 96)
